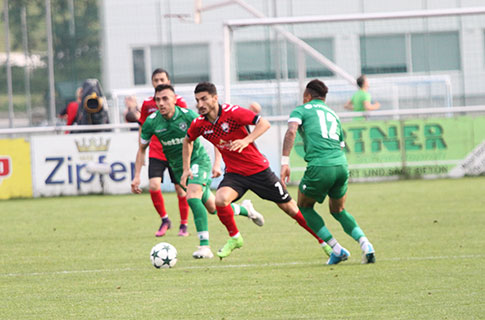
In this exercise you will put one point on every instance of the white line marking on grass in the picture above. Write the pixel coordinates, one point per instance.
(228, 266)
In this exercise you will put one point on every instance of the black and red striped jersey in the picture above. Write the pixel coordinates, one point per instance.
(230, 125)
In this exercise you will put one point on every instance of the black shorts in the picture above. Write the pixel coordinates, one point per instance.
(156, 168)
(265, 184)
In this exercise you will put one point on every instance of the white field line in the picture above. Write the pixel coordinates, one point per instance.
(228, 266)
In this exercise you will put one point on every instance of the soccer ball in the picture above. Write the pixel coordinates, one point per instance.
(163, 255)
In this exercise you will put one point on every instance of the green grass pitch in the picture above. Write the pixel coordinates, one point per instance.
(88, 258)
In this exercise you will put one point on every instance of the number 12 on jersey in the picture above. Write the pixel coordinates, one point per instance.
(328, 118)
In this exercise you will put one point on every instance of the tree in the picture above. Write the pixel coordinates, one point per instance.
(76, 43)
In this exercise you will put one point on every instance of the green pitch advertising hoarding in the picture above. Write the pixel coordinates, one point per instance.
(414, 148)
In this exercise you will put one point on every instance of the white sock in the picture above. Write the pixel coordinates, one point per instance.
(203, 235)
(336, 247)
(236, 235)
(363, 242)
(236, 208)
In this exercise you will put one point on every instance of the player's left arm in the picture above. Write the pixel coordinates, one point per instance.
(288, 143)
(261, 127)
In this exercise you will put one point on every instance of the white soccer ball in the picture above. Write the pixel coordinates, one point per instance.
(163, 255)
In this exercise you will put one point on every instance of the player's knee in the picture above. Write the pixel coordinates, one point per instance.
(290, 208)
(222, 202)
(153, 185)
(336, 208)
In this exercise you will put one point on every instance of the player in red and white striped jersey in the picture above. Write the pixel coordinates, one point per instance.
(158, 163)
(225, 126)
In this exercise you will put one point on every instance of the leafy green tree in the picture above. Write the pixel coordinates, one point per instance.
(76, 45)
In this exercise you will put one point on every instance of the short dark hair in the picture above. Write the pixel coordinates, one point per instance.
(317, 89)
(160, 70)
(163, 87)
(360, 80)
(206, 86)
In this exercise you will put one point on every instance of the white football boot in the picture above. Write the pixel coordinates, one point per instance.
(203, 252)
(255, 216)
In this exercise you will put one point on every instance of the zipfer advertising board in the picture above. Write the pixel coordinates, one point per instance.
(15, 173)
(84, 163)
(414, 148)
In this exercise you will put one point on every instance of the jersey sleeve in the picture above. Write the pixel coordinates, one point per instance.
(244, 116)
(181, 102)
(193, 132)
(192, 115)
(143, 113)
(147, 130)
(366, 97)
(296, 116)
(189, 115)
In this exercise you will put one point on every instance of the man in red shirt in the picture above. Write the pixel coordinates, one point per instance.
(158, 163)
(69, 113)
(225, 126)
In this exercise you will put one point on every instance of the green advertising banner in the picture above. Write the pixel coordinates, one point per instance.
(414, 148)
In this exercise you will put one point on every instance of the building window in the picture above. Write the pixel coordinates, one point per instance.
(429, 52)
(435, 51)
(188, 63)
(256, 60)
(383, 54)
(139, 75)
(313, 67)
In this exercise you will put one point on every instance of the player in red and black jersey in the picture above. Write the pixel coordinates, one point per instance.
(225, 126)
(158, 163)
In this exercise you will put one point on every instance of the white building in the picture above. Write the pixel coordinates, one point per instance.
(140, 36)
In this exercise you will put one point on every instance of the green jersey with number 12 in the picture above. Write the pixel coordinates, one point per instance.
(322, 134)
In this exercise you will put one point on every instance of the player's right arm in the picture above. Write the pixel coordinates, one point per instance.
(139, 162)
(143, 142)
(288, 143)
(187, 148)
(349, 105)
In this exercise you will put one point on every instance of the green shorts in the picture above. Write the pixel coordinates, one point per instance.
(317, 182)
(201, 174)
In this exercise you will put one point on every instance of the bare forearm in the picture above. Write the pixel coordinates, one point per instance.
(349, 106)
(261, 127)
(217, 158)
(140, 160)
(187, 148)
(288, 142)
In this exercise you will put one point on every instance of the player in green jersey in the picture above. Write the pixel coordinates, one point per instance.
(169, 124)
(327, 170)
(361, 100)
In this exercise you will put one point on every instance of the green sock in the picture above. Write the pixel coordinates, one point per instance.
(239, 210)
(349, 224)
(316, 223)
(200, 220)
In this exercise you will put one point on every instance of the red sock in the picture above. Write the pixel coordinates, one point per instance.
(226, 215)
(158, 202)
(184, 210)
(301, 221)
